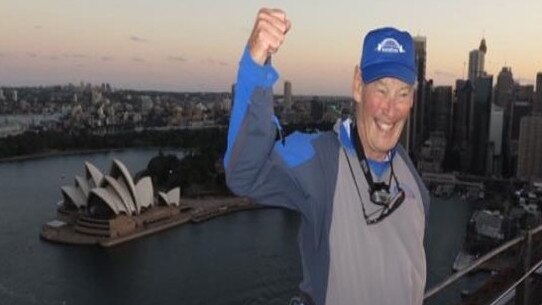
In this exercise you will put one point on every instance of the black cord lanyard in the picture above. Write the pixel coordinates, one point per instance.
(364, 164)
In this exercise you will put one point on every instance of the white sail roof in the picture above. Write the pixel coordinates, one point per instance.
(74, 196)
(162, 198)
(118, 169)
(82, 184)
(109, 198)
(144, 193)
(93, 174)
(121, 192)
(171, 198)
(174, 196)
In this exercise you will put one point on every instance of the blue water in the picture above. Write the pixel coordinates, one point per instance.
(249, 257)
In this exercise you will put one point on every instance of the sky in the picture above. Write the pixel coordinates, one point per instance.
(195, 45)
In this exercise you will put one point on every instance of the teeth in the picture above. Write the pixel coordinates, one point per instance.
(384, 126)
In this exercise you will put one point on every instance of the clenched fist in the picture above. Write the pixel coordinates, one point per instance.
(268, 34)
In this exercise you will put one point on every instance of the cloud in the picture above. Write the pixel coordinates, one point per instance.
(31, 54)
(53, 57)
(38, 27)
(106, 58)
(138, 59)
(137, 39)
(176, 58)
(215, 62)
(74, 55)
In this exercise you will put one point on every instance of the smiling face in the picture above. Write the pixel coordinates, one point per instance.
(382, 110)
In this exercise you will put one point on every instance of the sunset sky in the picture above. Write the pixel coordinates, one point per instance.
(194, 45)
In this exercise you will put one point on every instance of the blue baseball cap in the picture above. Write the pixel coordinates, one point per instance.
(388, 52)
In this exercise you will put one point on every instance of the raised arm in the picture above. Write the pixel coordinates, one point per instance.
(254, 165)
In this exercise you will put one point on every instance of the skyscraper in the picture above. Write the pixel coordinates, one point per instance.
(416, 120)
(479, 138)
(504, 87)
(495, 138)
(287, 95)
(530, 145)
(464, 96)
(521, 106)
(442, 116)
(537, 107)
(476, 61)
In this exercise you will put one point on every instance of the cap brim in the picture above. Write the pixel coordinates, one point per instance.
(388, 69)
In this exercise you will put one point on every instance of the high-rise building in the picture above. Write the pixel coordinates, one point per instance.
(479, 134)
(476, 61)
(416, 120)
(529, 165)
(504, 88)
(495, 138)
(520, 107)
(464, 94)
(287, 95)
(537, 107)
(442, 115)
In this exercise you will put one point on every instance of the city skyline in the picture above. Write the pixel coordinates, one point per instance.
(195, 45)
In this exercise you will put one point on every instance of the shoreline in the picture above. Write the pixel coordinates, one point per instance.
(60, 153)
(78, 229)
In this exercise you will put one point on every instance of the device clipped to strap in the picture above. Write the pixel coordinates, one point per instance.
(380, 193)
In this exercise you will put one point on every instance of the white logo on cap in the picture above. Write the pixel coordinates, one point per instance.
(390, 45)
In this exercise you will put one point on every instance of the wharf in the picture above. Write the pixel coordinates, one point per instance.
(82, 230)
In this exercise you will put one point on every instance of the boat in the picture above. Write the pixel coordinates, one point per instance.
(463, 260)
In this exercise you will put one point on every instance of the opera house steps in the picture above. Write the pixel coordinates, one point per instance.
(110, 209)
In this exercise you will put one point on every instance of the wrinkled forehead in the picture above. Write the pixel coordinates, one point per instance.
(391, 83)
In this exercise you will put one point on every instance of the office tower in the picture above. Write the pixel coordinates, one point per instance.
(530, 146)
(416, 120)
(537, 107)
(479, 134)
(504, 87)
(464, 94)
(287, 95)
(476, 61)
(520, 107)
(495, 138)
(427, 109)
(442, 115)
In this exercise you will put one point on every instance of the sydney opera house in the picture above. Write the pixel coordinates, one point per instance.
(112, 208)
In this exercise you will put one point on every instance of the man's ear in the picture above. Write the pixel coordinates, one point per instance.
(357, 85)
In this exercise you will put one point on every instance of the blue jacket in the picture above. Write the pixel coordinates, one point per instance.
(299, 173)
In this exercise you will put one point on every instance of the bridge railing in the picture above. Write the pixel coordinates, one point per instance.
(526, 238)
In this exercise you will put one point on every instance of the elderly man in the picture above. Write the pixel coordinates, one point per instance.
(362, 204)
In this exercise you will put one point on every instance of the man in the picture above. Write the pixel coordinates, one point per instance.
(362, 204)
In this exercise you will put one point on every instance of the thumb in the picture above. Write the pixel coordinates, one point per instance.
(288, 25)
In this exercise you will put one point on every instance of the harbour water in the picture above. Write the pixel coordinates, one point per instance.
(248, 257)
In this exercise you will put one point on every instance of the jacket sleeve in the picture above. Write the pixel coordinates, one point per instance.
(257, 166)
